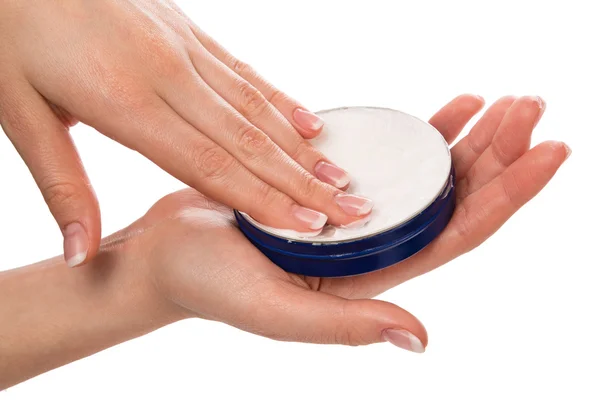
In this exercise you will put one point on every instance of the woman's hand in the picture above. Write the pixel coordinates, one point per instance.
(142, 73)
(186, 258)
(199, 260)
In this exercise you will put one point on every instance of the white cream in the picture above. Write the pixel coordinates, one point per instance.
(395, 159)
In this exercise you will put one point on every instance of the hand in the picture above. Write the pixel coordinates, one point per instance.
(199, 261)
(143, 74)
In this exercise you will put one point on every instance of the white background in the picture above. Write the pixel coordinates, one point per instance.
(516, 318)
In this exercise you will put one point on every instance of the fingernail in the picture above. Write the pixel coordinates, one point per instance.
(312, 218)
(308, 120)
(357, 224)
(332, 174)
(354, 205)
(542, 104)
(568, 150)
(75, 245)
(403, 339)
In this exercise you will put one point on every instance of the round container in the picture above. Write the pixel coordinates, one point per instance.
(400, 162)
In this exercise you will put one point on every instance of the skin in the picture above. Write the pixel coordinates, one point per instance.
(142, 73)
(177, 262)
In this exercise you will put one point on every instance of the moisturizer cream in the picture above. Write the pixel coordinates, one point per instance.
(400, 162)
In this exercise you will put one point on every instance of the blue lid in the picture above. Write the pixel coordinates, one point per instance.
(358, 256)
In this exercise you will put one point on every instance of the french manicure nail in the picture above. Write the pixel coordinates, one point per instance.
(312, 218)
(75, 244)
(308, 120)
(358, 224)
(332, 174)
(354, 205)
(403, 339)
(542, 104)
(568, 150)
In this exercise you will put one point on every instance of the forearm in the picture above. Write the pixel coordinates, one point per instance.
(51, 315)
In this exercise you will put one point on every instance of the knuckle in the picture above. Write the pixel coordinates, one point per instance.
(276, 96)
(253, 142)
(60, 193)
(309, 186)
(269, 197)
(310, 155)
(463, 229)
(240, 67)
(252, 102)
(302, 148)
(502, 157)
(164, 56)
(464, 187)
(172, 66)
(511, 188)
(342, 336)
(348, 334)
(212, 163)
(476, 144)
(468, 225)
(123, 93)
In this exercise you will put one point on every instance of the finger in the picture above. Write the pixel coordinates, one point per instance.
(470, 148)
(308, 124)
(44, 143)
(199, 105)
(251, 103)
(186, 153)
(453, 117)
(293, 313)
(511, 141)
(484, 212)
(476, 218)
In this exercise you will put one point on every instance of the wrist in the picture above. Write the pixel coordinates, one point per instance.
(56, 315)
(126, 265)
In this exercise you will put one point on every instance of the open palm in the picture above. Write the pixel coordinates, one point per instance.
(201, 262)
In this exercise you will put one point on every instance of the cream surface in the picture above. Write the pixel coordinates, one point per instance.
(395, 159)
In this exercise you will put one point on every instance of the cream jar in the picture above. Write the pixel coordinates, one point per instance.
(400, 162)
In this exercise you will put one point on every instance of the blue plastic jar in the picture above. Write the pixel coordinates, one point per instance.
(365, 253)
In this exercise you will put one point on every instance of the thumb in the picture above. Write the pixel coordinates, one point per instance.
(45, 145)
(298, 314)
